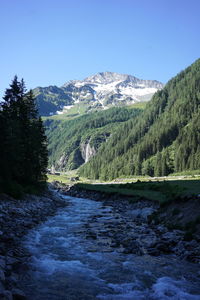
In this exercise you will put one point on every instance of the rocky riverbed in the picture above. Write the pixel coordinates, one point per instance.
(135, 230)
(105, 250)
(17, 217)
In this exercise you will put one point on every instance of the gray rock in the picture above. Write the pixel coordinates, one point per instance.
(153, 251)
(2, 275)
(172, 236)
(161, 229)
(131, 246)
(11, 260)
(13, 278)
(164, 247)
(148, 241)
(2, 262)
(2, 289)
(7, 295)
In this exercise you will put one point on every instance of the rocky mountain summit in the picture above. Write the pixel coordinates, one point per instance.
(99, 91)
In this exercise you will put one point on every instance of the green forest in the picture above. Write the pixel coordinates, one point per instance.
(163, 139)
(67, 139)
(23, 151)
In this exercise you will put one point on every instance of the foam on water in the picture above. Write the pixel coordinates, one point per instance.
(49, 265)
(167, 288)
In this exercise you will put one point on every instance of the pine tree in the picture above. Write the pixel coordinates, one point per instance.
(23, 153)
(34, 142)
(3, 152)
(11, 108)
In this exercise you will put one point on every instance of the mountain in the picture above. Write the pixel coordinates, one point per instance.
(74, 142)
(163, 139)
(96, 92)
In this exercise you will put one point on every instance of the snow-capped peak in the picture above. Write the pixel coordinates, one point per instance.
(122, 80)
(105, 78)
(101, 91)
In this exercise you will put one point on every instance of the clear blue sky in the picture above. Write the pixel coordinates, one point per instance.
(48, 42)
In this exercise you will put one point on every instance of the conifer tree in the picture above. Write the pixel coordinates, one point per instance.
(23, 153)
(11, 109)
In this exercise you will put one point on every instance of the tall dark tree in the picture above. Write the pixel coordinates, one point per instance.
(23, 142)
(3, 155)
(10, 110)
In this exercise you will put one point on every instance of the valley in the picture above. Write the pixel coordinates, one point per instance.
(154, 138)
(100, 150)
(123, 192)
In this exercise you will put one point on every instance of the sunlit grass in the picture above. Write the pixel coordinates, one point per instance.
(160, 189)
(163, 192)
(140, 105)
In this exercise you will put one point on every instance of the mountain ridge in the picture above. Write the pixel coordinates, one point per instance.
(108, 76)
(96, 92)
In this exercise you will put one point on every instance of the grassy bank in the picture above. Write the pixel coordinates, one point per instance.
(161, 189)
(163, 192)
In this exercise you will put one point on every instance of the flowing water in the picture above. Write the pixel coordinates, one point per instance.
(66, 265)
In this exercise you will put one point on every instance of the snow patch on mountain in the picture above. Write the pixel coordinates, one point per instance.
(121, 86)
(99, 91)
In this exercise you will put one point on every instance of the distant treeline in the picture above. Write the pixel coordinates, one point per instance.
(163, 139)
(23, 144)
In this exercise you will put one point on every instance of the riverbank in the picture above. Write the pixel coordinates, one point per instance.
(132, 227)
(17, 217)
(146, 227)
(73, 256)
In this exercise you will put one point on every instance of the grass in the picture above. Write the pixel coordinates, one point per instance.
(74, 112)
(64, 177)
(140, 105)
(115, 189)
(162, 192)
(162, 189)
(82, 108)
(189, 187)
(61, 178)
(62, 117)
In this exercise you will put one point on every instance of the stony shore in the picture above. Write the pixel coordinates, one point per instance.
(17, 217)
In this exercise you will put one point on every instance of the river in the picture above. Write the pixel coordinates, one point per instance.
(66, 265)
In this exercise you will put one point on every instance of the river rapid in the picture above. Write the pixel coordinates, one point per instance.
(68, 264)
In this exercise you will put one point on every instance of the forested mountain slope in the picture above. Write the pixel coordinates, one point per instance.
(73, 142)
(165, 138)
